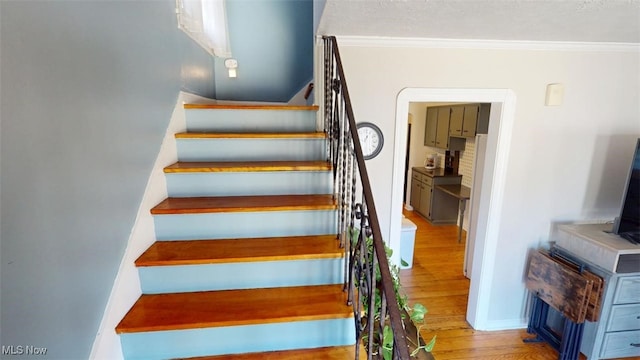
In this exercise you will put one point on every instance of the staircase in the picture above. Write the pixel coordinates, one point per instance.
(246, 259)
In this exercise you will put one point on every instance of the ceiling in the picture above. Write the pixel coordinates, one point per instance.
(608, 21)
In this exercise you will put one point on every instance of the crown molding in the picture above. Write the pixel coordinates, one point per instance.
(428, 43)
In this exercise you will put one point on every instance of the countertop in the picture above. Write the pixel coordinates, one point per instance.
(460, 192)
(595, 243)
(437, 172)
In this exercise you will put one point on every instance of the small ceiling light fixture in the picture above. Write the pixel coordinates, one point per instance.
(232, 66)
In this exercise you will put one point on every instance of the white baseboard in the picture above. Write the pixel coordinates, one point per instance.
(509, 324)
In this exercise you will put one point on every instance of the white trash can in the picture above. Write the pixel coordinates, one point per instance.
(407, 243)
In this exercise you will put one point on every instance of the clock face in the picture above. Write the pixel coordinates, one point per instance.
(371, 140)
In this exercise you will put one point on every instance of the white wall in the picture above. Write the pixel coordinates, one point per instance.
(565, 163)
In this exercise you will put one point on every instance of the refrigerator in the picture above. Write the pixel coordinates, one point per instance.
(474, 202)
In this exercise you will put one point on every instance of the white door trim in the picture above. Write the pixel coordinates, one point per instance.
(501, 121)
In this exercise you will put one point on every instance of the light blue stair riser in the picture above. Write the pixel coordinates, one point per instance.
(250, 120)
(248, 275)
(244, 224)
(249, 183)
(251, 149)
(238, 339)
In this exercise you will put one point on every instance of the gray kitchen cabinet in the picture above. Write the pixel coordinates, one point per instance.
(456, 120)
(416, 189)
(464, 120)
(430, 127)
(439, 121)
(436, 132)
(433, 204)
(470, 120)
(421, 193)
(442, 130)
(425, 196)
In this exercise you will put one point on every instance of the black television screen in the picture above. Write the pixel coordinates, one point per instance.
(628, 224)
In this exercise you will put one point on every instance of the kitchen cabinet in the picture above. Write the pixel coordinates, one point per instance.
(437, 133)
(442, 130)
(431, 126)
(464, 119)
(421, 193)
(433, 204)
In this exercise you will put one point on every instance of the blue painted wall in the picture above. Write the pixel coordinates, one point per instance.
(273, 43)
(88, 88)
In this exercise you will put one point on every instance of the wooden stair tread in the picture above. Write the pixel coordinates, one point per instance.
(324, 353)
(249, 106)
(196, 310)
(247, 166)
(194, 252)
(201, 205)
(250, 135)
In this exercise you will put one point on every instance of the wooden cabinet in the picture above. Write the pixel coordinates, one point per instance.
(433, 204)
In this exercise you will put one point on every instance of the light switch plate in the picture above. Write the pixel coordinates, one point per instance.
(554, 95)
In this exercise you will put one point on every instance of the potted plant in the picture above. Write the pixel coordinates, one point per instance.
(413, 317)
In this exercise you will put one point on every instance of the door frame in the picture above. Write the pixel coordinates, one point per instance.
(501, 119)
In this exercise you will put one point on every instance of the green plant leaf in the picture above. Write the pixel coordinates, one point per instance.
(403, 262)
(431, 344)
(418, 313)
(387, 343)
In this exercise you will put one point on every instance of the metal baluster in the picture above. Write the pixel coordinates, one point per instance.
(327, 93)
(362, 260)
(343, 176)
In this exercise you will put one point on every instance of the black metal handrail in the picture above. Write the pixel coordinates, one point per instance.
(368, 278)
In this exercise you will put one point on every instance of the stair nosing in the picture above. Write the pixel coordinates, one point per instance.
(297, 354)
(245, 166)
(279, 305)
(159, 253)
(227, 204)
(250, 135)
(252, 107)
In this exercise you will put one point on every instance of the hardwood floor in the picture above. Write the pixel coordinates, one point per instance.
(436, 281)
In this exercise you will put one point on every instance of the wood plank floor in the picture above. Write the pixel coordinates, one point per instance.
(436, 281)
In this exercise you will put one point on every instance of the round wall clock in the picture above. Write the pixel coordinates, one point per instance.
(371, 139)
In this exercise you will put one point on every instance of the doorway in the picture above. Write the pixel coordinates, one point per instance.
(489, 201)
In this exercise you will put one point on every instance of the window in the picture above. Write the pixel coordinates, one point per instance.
(205, 21)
